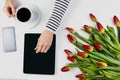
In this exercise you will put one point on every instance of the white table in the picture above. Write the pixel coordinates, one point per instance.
(11, 64)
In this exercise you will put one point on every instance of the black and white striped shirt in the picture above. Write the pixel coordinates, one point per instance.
(57, 14)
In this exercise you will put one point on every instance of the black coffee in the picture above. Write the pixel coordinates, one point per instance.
(23, 14)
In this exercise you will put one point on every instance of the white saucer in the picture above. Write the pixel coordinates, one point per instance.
(33, 23)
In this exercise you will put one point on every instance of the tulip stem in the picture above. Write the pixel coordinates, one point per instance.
(105, 58)
(117, 69)
(82, 38)
(118, 30)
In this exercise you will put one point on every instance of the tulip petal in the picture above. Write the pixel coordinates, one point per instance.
(87, 28)
(97, 46)
(93, 18)
(116, 21)
(82, 54)
(80, 76)
(71, 38)
(100, 27)
(72, 59)
(87, 48)
(101, 64)
(65, 69)
(68, 52)
(71, 30)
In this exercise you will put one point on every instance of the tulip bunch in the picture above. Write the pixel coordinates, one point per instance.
(99, 57)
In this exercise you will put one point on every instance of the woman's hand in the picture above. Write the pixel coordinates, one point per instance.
(9, 8)
(44, 41)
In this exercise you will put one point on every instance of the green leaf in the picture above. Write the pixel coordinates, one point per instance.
(91, 38)
(82, 38)
(117, 69)
(118, 31)
(90, 72)
(108, 75)
(111, 30)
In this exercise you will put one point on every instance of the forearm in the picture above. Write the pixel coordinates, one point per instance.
(57, 14)
(9, 0)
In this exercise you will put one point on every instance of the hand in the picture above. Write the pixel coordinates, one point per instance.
(44, 41)
(9, 8)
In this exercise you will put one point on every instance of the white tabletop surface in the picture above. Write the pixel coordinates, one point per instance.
(11, 64)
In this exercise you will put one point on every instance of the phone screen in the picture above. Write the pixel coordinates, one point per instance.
(9, 42)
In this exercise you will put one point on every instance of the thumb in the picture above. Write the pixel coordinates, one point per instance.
(13, 10)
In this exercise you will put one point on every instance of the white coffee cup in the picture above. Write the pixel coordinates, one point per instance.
(28, 14)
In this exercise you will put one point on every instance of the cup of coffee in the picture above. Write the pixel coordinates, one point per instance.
(27, 13)
(23, 14)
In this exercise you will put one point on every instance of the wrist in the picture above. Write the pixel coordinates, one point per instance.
(51, 31)
(48, 31)
(9, 0)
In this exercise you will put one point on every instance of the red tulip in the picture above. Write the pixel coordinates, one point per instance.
(116, 21)
(80, 76)
(65, 69)
(93, 18)
(68, 52)
(101, 64)
(87, 28)
(88, 48)
(100, 27)
(97, 45)
(72, 59)
(71, 30)
(82, 54)
(71, 39)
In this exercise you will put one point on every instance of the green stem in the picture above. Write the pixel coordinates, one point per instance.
(113, 38)
(107, 40)
(105, 58)
(108, 52)
(96, 57)
(82, 38)
(117, 69)
(118, 31)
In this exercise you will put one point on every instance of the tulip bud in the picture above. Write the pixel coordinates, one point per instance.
(68, 52)
(87, 28)
(80, 76)
(65, 69)
(72, 59)
(101, 64)
(97, 46)
(71, 39)
(82, 54)
(71, 30)
(116, 21)
(93, 18)
(100, 27)
(87, 48)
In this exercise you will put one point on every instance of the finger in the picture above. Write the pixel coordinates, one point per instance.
(43, 49)
(7, 11)
(36, 47)
(39, 48)
(47, 48)
(13, 10)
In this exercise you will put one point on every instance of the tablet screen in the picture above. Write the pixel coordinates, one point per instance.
(41, 63)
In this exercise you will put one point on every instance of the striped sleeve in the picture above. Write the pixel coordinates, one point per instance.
(57, 14)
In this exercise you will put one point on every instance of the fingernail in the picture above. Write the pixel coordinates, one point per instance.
(36, 52)
(45, 51)
(42, 52)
